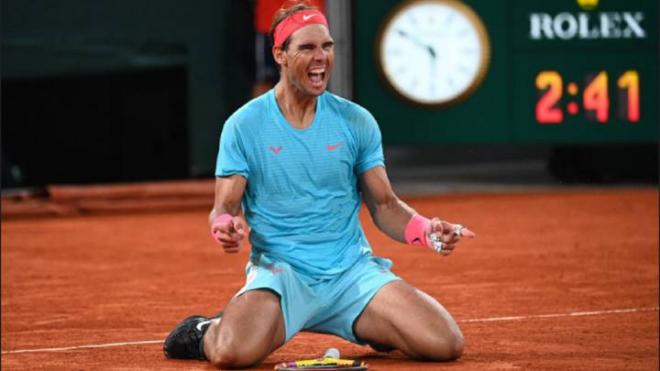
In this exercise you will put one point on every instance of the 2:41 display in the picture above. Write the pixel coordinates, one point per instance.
(595, 97)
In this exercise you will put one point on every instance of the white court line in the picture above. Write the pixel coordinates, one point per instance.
(488, 319)
(556, 315)
(76, 347)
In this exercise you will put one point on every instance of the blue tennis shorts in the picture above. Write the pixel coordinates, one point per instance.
(328, 305)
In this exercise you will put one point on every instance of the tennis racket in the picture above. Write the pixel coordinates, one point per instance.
(329, 362)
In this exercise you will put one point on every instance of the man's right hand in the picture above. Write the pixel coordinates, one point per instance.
(229, 233)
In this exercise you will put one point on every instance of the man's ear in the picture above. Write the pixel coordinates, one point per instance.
(278, 56)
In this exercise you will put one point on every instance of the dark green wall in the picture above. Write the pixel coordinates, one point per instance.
(502, 110)
(210, 40)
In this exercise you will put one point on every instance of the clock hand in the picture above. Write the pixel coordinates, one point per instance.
(432, 77)
(418, 42)
(432, 52)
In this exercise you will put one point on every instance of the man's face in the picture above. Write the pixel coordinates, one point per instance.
(308, 60)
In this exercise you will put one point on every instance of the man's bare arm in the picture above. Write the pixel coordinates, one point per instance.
(401, 222)
(227, 226)
(228, 196)
(390, 214)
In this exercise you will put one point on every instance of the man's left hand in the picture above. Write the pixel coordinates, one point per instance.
(444, 236)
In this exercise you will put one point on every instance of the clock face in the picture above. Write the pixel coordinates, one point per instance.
(433, 52)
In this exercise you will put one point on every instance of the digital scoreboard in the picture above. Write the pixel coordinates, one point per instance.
(585, 71)
(560, 72)
(594, 97)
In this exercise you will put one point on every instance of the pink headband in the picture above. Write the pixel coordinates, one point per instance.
(296, 21)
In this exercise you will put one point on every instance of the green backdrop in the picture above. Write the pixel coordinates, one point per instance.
(502, 110)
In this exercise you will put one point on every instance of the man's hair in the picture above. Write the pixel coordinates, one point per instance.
(292, 6)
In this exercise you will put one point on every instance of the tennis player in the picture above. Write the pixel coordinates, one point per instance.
(299, 160)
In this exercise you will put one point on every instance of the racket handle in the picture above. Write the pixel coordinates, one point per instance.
(331, 353)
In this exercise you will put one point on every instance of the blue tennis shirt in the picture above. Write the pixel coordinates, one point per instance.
(302, 197)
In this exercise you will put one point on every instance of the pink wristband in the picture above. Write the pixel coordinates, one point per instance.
(417, 229)
(221, 219)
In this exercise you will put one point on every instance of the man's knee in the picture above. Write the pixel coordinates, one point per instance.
(230, 355)
(226, 351)
(446, 346)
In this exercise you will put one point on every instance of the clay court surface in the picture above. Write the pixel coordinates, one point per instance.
(560, 279)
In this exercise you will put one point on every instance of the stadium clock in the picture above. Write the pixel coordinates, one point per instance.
(433, 52)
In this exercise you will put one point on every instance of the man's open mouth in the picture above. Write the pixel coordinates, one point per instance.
(316, 75)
